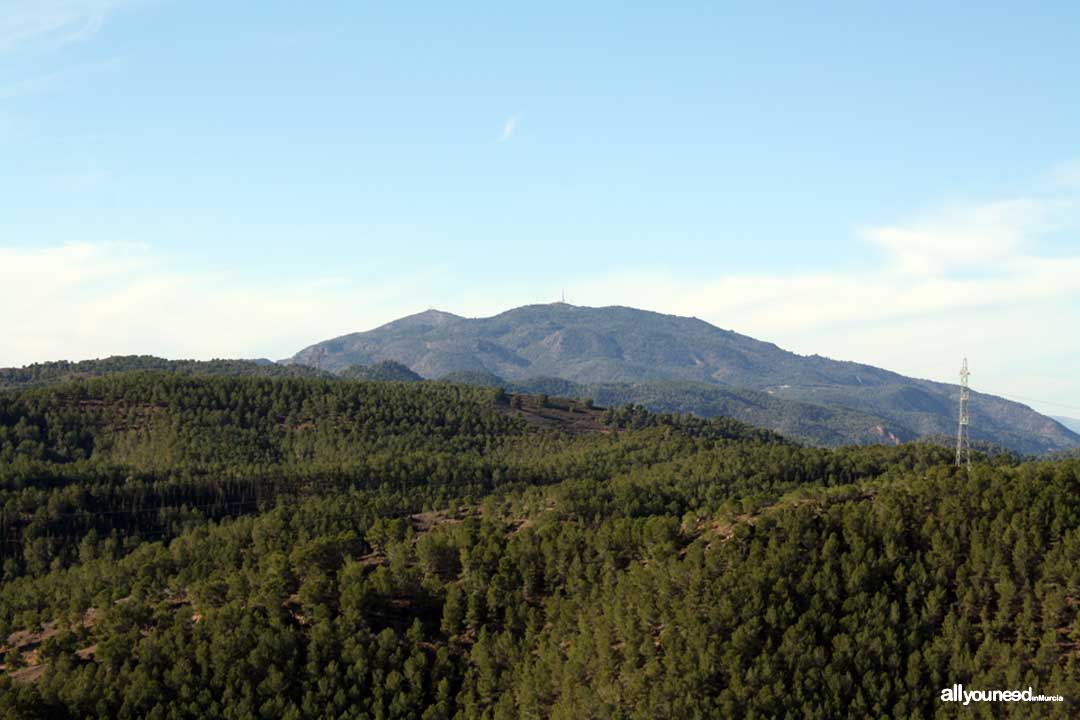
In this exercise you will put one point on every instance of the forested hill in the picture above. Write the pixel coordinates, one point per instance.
(814, 424)
(598, 346)
(183, 546)
(831, 424)
(806, 422)
(41, 374)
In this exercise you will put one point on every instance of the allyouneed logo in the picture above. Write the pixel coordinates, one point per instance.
(957, 693)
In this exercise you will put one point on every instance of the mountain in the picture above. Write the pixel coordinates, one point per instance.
(1071, 423)
(649, 351)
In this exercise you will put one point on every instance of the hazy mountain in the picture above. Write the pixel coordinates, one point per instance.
(1071, 423)
(647, 350)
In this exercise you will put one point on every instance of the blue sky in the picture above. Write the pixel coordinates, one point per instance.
(895, 185)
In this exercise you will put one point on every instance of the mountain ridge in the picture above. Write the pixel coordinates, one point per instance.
(619, 344)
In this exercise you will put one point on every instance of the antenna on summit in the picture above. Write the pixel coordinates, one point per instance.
(563, 300)
(963, 438)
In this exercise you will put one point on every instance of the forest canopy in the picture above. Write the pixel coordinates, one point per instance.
(189, 545)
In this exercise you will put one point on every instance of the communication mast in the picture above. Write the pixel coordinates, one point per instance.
(963, 438)
(320, 353)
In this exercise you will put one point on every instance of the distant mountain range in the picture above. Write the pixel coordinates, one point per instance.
(666, 362)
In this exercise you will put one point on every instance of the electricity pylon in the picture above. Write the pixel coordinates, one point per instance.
(963, 438)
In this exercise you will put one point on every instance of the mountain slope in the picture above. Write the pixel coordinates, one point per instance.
(625, 345)
(814, 424)
(1071, 423)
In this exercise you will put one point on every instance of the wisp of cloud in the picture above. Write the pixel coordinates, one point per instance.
(509, 127)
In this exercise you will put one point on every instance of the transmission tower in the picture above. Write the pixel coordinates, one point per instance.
(963, 438)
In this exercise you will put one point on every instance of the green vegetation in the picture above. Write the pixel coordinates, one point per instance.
(191, 546)
(41, 374)
(814, 424)
(386, 370)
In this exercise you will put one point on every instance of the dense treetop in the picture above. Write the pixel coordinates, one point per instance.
(40, 374)
(385, 370)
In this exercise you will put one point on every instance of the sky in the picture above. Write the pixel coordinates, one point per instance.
(891, 184)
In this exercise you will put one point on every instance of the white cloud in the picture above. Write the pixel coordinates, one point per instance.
(509, 128)
(82, 301)
(54, 23)
(980, 235)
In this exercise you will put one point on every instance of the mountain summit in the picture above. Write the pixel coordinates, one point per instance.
(653, 356)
